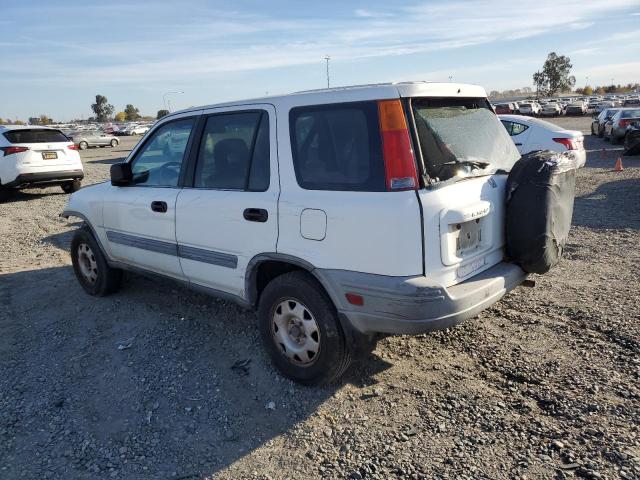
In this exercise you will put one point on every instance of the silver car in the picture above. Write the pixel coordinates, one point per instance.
(93, 138)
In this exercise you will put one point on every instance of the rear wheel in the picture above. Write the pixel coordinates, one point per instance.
(91, 267)
(83, 145)
(114, 143)
(300, 329)
(72, 186)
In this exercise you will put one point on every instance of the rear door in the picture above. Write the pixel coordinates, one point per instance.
(139, 219)
(466, 153)
(519, 133)
(229, 212)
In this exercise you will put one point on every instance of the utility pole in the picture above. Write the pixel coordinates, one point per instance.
(327, 58)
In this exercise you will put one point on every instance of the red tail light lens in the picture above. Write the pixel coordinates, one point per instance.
(72, 147)
(570, 143)
(399, 164)
(12, 150)
(624, 123)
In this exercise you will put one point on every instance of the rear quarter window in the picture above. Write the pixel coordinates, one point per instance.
(337, 147)
(35, 135)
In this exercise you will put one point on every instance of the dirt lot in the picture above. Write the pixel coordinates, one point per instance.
(140, 385)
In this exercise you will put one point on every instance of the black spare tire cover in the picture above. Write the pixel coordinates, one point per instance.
(540, 193)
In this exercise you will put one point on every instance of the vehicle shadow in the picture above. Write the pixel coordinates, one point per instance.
(152, 382)
(32, 194)
(608, 206)
(105, 161)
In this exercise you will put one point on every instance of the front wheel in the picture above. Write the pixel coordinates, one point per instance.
(300, 330)
(72, 186)
(114, 143)
(91, 267)
(83, 145)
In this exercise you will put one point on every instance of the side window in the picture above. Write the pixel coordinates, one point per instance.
(159, 161)
(337, 147)
(234, 152)
(508, 125)
(517, 128)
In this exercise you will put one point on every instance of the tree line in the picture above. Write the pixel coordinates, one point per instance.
(103, 111)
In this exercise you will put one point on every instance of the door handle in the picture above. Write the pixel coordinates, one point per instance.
(158, 206)
(518, 144)
(255, 215)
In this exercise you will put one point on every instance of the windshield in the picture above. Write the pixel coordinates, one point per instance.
(461, 137)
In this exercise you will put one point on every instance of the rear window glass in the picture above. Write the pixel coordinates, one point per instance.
(461, 137)
(35, 135)
(337, 147)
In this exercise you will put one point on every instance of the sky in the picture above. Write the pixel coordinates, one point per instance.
(57, 55)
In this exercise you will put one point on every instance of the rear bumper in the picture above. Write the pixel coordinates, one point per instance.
(414, 305)
(45, 178)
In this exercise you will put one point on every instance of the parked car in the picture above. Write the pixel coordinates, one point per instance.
(551, 110)
(37, 157)
(505, 108)
(616, 128)
(530, 134)
(137, 130)
(530, 108)
(314, 209)
(632, 139)
(94, 138)
(632, 102)
(577, 108)
(598, 121)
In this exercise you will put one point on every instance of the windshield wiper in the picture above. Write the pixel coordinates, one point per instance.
(472, 163)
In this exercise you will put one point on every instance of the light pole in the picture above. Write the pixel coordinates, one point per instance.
(327, 58)
(164, 99)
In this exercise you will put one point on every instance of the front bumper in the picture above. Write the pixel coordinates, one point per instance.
(414, 305)
(45, 178)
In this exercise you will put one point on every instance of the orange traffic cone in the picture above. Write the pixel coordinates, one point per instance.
(619, 165)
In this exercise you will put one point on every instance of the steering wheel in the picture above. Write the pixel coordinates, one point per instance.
(167, 173)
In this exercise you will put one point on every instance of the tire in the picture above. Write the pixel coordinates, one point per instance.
(72, 186)
(288, 302)
(83, 145)
(114, 143)
(96, 277)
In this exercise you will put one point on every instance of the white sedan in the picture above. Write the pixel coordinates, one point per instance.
(531, 134)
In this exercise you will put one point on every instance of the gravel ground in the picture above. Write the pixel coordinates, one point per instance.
(159, 382)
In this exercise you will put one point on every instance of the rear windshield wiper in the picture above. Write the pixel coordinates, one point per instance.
(471, 163)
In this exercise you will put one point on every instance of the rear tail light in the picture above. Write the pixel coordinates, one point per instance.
(624, 123)
(12, 150)
(72, 147)
(399, 163)
(570, 143)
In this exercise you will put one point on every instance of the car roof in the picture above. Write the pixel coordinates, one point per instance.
(533, 121)
(7, 128)
(353, 93)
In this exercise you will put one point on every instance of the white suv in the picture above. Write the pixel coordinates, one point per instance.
(338, 214)
(37, 157)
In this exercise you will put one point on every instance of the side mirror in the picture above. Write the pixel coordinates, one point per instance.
(121, 174)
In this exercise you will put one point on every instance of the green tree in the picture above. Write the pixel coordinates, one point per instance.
(120, 117)
(555, 76)
(102, 108)
(587, 90)
(162, 113)
(132, 112)
(45, 120)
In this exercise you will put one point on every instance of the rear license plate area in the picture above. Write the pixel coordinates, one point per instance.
(49, 155)
(469, 236)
